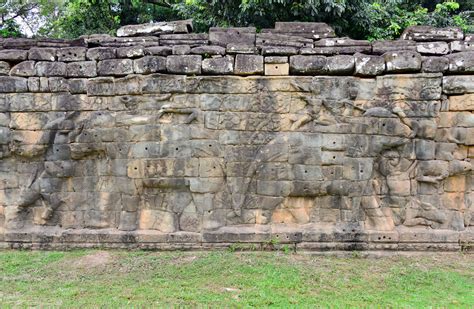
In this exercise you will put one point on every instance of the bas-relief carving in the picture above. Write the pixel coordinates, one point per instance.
(334, 151)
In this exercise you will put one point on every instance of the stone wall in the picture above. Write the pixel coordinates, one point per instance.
(151, 140)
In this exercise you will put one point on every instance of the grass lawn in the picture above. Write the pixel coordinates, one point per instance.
(92, 278)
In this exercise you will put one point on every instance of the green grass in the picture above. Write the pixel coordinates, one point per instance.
(122, 278)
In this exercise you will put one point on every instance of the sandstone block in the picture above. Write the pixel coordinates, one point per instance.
(181, 50)
(42, 54)
(181, 26)
(159, 50)
(461, 103)
(48, 69)
(81, 69)
(428, 33)
(340, 65)
(25, 69)
(130, 52)
(224, 36)
(13, 55)
(461, 46)
(403, 61)
(13, 84)
(149, 64)
(218, 65)
(115, 67)
(461, 62)
(276, 59)
(275, 69)
(69, 54)
(185, 64)
(382, 47)
(279, 50)
(308, 64)
(435, 64)
(367, 65)
(248, 64)
(208, 50)
(101, 53)
(432, 48)
(458, 84)
(4, 68)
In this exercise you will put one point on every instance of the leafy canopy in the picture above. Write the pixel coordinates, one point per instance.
(368, 19)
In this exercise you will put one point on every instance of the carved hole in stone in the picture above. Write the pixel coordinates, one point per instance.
(276, 67)
(383, 124)
(135, 168)
(208, 211)
(343, 230)
(353, 231)
(305, 172)
(413, 56)
(177, 148)
(146, 148)
(287, 237)
(380, 238)
(383, 237)
(362, 171)
(210, 145)
(334, 157)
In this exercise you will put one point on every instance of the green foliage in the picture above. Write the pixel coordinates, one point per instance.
(388, 20)
(372, 19)
(10, 29)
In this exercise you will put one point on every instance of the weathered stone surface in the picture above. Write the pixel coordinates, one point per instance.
(81, 69)
(248, 64)
(338, 46)
(130, 52)
(458, 84)
(279, 50)
(218, 65)
(159, 50)
(149, 64)
(101, 53)
(69, 54)
(461, 46)
(208, 50)
(308, 64)
(13, 84)
(191, 39)
(240, 48)
(382, 47)
(51, 68)
(340, 65)
(461, 62)
(181, 26)
(224, 36)
(13, 55)
(165, 159)
(427, 33)
(433, 48)
(181, 50)
(435, 64)
(25, 69)
(312, 30)
(267, 39)
(115, 67)
(42, 54)
(403, 61)
(368, 65)
(186, 64)
(275, 69)
(4, 68)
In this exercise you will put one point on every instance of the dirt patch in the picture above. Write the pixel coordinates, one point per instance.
(93, 260)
